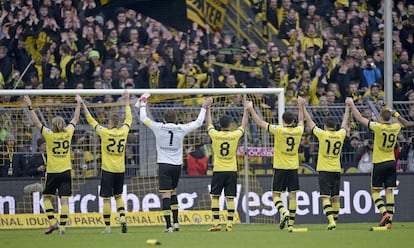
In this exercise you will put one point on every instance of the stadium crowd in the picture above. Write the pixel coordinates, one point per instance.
(333, 49)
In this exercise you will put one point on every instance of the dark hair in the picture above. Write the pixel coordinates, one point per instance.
(288, 117)
(225, 121)
(40, 141)
(170, 116)
(330, 122)
(385, 114)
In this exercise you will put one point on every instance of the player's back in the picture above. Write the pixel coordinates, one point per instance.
(287, 141)
(169, 139)
(113, 144)
(58, 149)
(385, 138)
(330, 147)
(225, 145)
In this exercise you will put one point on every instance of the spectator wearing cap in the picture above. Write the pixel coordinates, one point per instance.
(12, 163)
(375, 94)
(95, 63)
(266, 68)
(128, 86)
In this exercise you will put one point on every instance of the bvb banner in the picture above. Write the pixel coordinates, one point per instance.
(25, 221)
(211, 12)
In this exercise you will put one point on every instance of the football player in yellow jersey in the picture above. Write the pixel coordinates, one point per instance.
(329, 163)
(58, 164)
(224, 143)
(285, 161)
(113, 143)
(384, 172)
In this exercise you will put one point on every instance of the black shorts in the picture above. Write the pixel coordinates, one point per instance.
(168, 178)
(384, 175)
(329, 183)
(111, 184)
(285, 180)
(60, 182)
(226, 180)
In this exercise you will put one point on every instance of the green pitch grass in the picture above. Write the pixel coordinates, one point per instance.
(254, 235)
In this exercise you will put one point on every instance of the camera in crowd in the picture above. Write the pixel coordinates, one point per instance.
(370, 65)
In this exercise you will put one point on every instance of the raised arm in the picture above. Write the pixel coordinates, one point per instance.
(142, 105)
(75, 118)
(345, 120)
(208, 120)
(404, 122)
(309, 122)
(364, 121)
(245, 118)
(92, 122)
(255, 116)
(128, 114)
(32, 113)
(301, 116)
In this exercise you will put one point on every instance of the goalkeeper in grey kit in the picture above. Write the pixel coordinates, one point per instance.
(169, 138)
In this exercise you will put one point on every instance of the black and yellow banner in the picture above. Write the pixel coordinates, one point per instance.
(207, 12)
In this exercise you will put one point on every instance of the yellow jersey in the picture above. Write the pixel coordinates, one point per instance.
(58, 149)
(385, 138)
(330, 147)
(113, 142)
(225, 145)
(287, 141)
